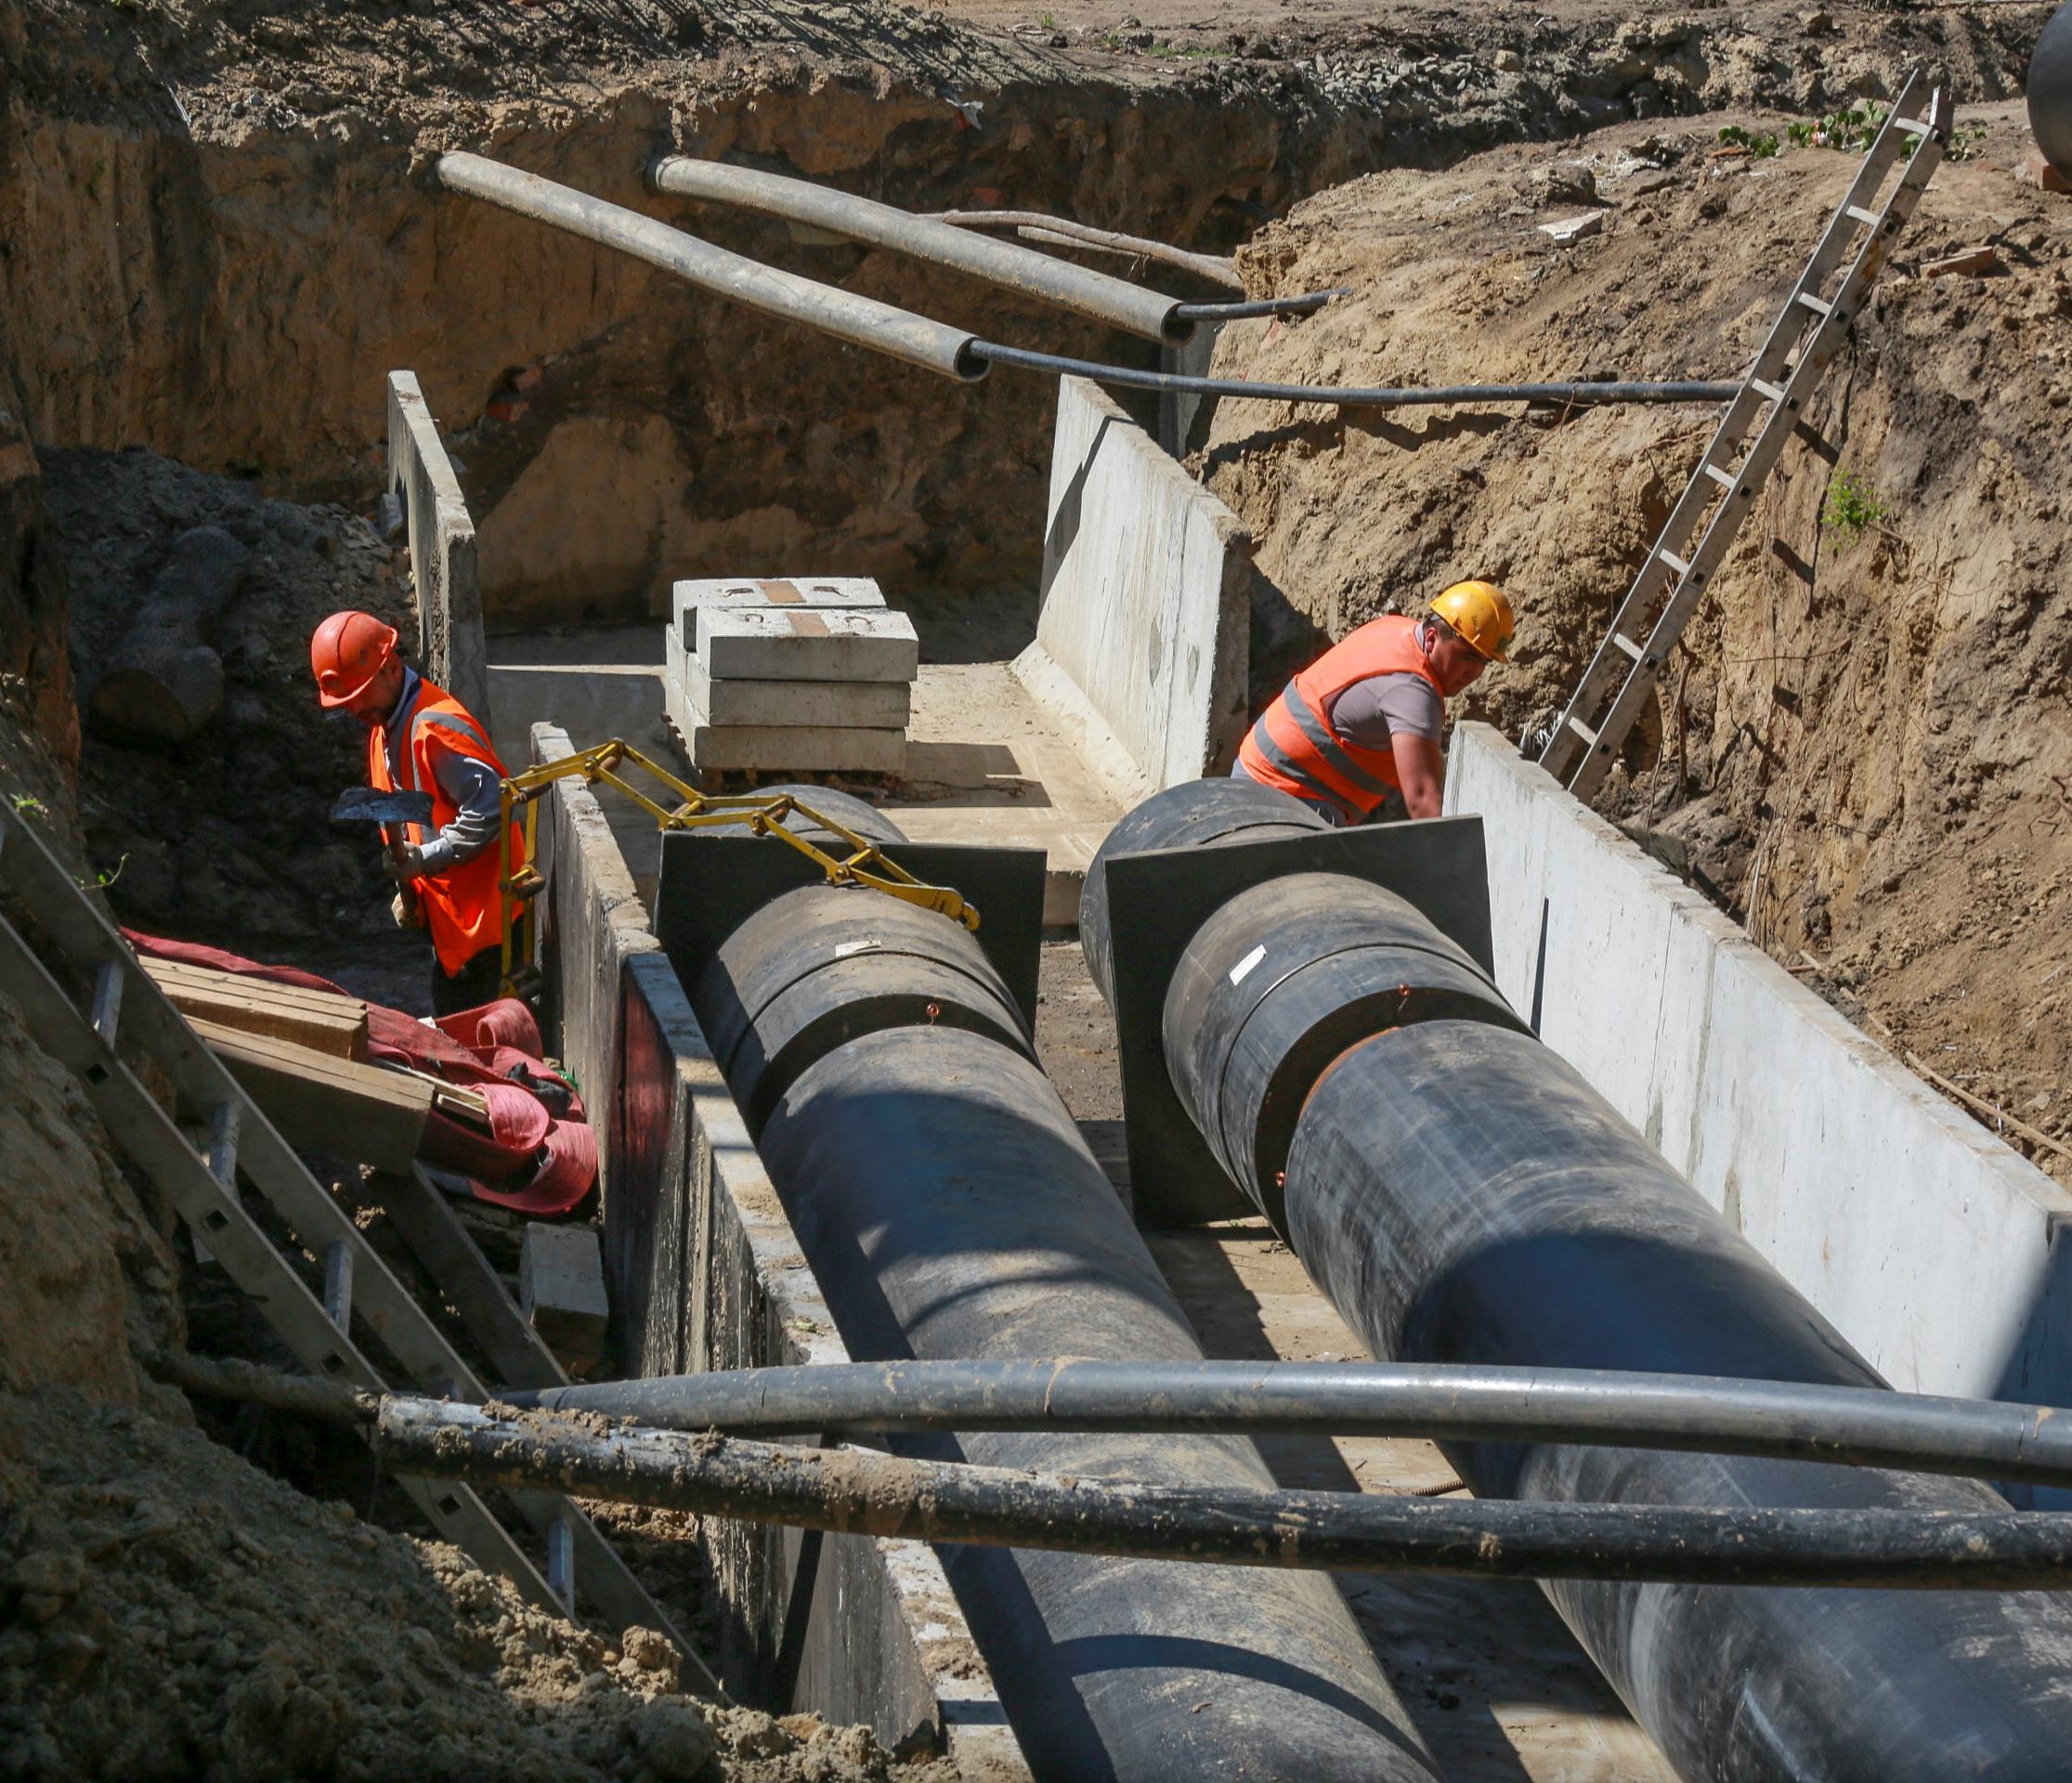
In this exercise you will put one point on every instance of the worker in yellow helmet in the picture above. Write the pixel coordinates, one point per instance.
(1356, 734)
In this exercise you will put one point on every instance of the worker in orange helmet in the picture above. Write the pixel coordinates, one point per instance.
(420, 739)
(1356, 734)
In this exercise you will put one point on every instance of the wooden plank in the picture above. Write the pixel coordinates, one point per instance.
(319, 1020)
(451, 1257)
(561, 1291)
(330, 1104)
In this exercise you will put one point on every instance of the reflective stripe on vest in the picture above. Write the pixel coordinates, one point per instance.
(1293, 749)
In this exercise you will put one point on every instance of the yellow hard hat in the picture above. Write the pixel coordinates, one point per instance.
(1480, 612)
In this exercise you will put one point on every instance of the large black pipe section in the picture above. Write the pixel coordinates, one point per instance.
(1449, 1402)
(2049, 91)
(1462, 1195)
(1041, 275)
(863, 321)
(816, 968)
(1213, 1526)
(951, 1209)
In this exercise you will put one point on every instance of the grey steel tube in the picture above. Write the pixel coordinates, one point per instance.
(1462, 1195)
(1448, 1401)
(1093, 294)
(1215, 1526)
(860, 320)
(2049, 91)
(950, 1208)
(817, 966)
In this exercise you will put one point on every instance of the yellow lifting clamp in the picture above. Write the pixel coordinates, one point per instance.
(763, 814)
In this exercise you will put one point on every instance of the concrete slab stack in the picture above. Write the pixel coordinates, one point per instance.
(805, 674)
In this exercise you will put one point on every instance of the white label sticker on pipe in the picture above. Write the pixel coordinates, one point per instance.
(1244, 965)
(849, 947)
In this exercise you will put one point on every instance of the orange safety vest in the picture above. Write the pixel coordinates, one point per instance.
(462, 905)
(1293, 746)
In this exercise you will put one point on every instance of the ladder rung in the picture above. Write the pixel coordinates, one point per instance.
(1857, 213)
(1726, 479)
(224, 1123)
(561, 1561)
(1912, 126)
(1818, 305)
(1674, 562)
(1627, 644)
(1767, 391)
(1583, 731)
(338, 1284)
(108, 1001)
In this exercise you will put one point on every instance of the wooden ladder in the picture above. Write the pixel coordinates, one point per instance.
(1750, 438)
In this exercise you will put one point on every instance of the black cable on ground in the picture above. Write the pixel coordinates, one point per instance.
(873, 1495)
(1180, 383)
(1304, 305)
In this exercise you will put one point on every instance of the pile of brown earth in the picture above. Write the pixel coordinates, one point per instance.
(1865, 735)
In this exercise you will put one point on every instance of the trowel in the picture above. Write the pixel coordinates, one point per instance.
(371, 805)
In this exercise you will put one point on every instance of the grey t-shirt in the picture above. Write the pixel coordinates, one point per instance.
(1370, 712)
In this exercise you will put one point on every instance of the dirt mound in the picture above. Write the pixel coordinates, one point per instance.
(175, 1613)
(225, 835)
(1866, 733)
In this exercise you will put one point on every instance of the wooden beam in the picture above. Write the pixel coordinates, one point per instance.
(329, 1104)
(322, 1021)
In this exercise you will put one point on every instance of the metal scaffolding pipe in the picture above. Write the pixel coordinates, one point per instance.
(862, 321)
(856, 1491)
(1462, 1195)
(1853, 1426)
(1023, 270)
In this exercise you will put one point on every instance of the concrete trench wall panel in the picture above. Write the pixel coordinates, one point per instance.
(705, 1272)
(1142, 641)
(443, 569)
(1932, 1246)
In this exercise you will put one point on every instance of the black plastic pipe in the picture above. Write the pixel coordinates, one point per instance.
(1296, 1532)
(1043, 277)
(857, 815)
(1462, 1195)
(1306, 304)
(951, 1209)
(1855, 1426)
(1332, 396)
(2049, 91)
(816, 968)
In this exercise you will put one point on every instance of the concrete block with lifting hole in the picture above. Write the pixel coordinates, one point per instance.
(870, 705)
(773, 644)
(768, 593)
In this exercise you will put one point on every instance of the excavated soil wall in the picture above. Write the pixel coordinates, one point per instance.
(221, 232)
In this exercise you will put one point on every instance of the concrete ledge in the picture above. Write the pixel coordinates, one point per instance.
(1142, 641)
(445, 582)
(706, 1272)
(1934, 1247)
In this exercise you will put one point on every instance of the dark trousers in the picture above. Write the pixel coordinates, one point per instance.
(475, 984)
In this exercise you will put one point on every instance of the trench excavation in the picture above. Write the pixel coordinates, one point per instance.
(895, 1305)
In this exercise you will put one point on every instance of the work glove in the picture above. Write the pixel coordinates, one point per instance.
(404, 863)
(405, 909)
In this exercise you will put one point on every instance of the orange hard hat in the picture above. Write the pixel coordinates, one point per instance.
(346, 652)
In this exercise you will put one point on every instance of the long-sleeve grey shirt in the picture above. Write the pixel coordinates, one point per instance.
(475, 787)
